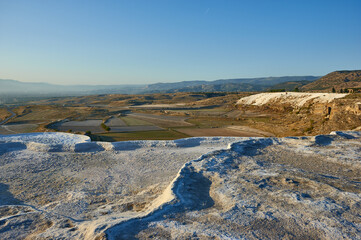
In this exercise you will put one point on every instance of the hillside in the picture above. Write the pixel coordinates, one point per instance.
(338, 80)
(300, 113)
(226, 85)
(290, 86)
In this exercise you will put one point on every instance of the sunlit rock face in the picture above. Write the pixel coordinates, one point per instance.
(62, 186)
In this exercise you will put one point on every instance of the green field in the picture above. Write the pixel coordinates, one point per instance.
(145, 135)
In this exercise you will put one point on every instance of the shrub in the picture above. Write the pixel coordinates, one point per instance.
(310, 128)
(105, 127)
(277, 90)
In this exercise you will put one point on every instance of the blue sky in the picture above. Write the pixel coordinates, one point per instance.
(147, 41)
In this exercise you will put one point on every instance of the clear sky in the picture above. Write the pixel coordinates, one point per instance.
(147, 41)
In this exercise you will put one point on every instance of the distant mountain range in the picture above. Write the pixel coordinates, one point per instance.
(226, 85)
(17, 87)
(13, 87)
(12, 91)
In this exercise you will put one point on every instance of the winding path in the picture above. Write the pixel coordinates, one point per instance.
(2, 123)
(9, 118)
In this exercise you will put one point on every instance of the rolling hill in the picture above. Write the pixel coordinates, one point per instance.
(290, 86)
(338, 80)
(225, 85)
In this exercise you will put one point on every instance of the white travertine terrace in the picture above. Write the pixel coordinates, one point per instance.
(62, 186)
(294, 98)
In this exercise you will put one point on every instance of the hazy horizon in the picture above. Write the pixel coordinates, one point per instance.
(143, 42)
(207, 80)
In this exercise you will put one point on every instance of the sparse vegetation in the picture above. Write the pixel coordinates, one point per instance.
(277, 90)
(105, 127)
(353, 96)
(310, 128)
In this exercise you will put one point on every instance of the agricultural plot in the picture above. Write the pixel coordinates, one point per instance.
(115, 122)
(79, 126)
(130, 121)
(202, 112)
(139, 135)
(162, 120)
(246, 131)
(42, 114)
(3, 130)
(14, 128)
(135, 128)
(129, 124)
(222, 132)
(208, 132)
(162, 106)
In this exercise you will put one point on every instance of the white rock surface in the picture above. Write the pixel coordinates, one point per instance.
(46, 138)
(196, 188)
(296, 99)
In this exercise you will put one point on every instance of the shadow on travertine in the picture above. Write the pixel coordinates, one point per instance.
(194, 195)
(324, 140)
(11, 146)
(192, 190)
